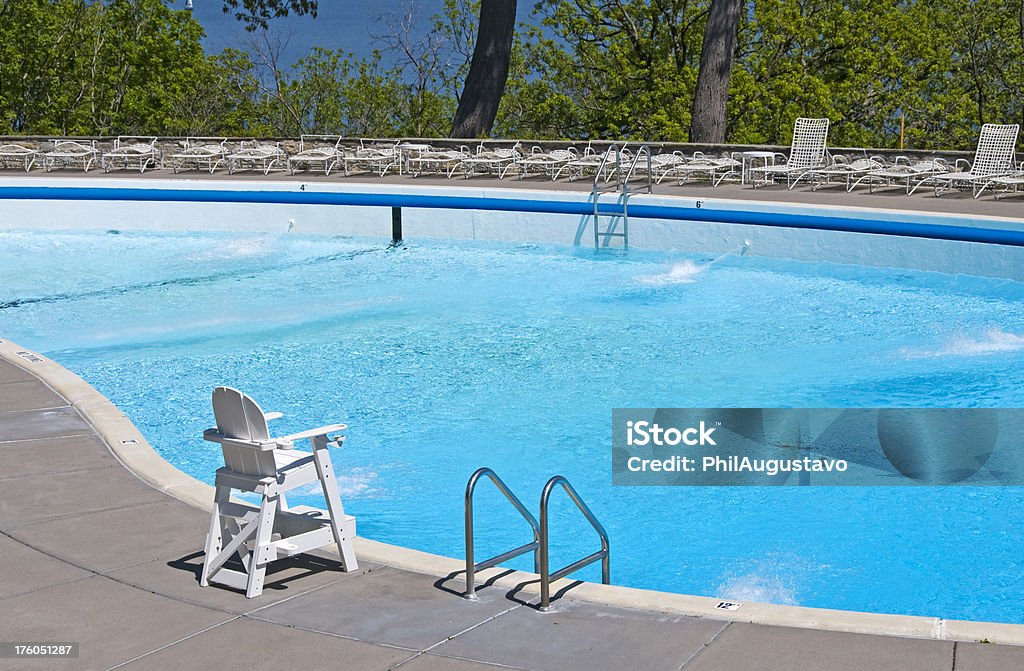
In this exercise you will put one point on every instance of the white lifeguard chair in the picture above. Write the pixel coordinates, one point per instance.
(255, 462)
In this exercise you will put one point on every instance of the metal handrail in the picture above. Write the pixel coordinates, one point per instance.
(546, 576)
(472, 568)
(643, 150)
(604, 161)
(596, 191)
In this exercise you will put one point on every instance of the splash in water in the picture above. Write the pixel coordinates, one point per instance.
(993, 341)
(681, 273)
(687, 272)
(758, 587)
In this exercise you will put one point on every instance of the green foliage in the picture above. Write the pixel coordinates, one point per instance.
(583, 69)
(79, 67)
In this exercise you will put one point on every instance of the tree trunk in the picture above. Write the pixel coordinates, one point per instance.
(488, 70)
(708, 121)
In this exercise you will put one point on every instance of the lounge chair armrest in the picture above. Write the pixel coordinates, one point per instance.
(311, 433)
(964, 161)
(777, 156)
(273, 415)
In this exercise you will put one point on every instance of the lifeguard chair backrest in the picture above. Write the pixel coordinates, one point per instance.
(241, 418)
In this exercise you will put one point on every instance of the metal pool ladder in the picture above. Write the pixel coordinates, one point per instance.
(540, 544)
(534, 546)
(602, 237)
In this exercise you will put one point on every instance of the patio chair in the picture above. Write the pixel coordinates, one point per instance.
(18, 156)
(256, 155)
(548, 162)
(806, 153)
(490, 161)
(993, 158)
(902, 171)
(1010, 182)
(317, 151)
(378, 159)
(664, 165)
(71, 154)
(441, 161)
(591, 161)
(846, 171)
(131, 152)
(200, 153)
(715, 168)
(269, 467)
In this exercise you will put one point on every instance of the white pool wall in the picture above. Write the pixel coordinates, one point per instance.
(952, 257)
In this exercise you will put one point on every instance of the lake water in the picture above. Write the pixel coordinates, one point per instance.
(338, 25)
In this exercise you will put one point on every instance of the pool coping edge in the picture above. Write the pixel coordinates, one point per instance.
(133, 451)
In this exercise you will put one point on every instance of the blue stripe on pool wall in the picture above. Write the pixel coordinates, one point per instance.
(705, 213)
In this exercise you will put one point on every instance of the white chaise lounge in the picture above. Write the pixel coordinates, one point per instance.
(806, 153)
(132, 152)
(71, 154)
(993, 158)
(200, 153)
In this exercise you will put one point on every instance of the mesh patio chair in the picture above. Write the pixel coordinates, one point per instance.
(320, 152)
(71, 154)
(15, 155)
(200, 153)
(993, 158)
(255, 155)
(845, 171)
(806, 153)
(902, 171)
(546, 162)
(132, 152)
(490, 161)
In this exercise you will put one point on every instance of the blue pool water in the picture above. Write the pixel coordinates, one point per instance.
(444, 357)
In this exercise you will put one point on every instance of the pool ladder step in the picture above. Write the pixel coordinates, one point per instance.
(540, 544)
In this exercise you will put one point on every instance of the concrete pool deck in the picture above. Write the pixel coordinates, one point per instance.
(100, 541)
(92, 553)
(835, 195)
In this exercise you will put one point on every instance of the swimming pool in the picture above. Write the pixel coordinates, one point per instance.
(444, 357)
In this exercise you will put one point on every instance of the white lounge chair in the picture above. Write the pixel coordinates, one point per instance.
(442, 161)
(256, 155)
(993, 158)
(200, 153)
(71, 154)
(846, 171)
(1010, 182)
(664, 165)
(378, 159)
(807, 152)
(548, 162)
(317, 151)
(256, 463)
(715, 168)
(132, 152)
(490, 161)
(903, 171)
(15, 155)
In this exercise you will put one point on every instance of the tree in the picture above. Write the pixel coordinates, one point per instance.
(708, 119)
(488, 71)
(258, 13)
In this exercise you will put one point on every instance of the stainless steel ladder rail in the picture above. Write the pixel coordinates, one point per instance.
(546, 576)
(621, 185)
(644, 150)
(596, 192)
(471, 567)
